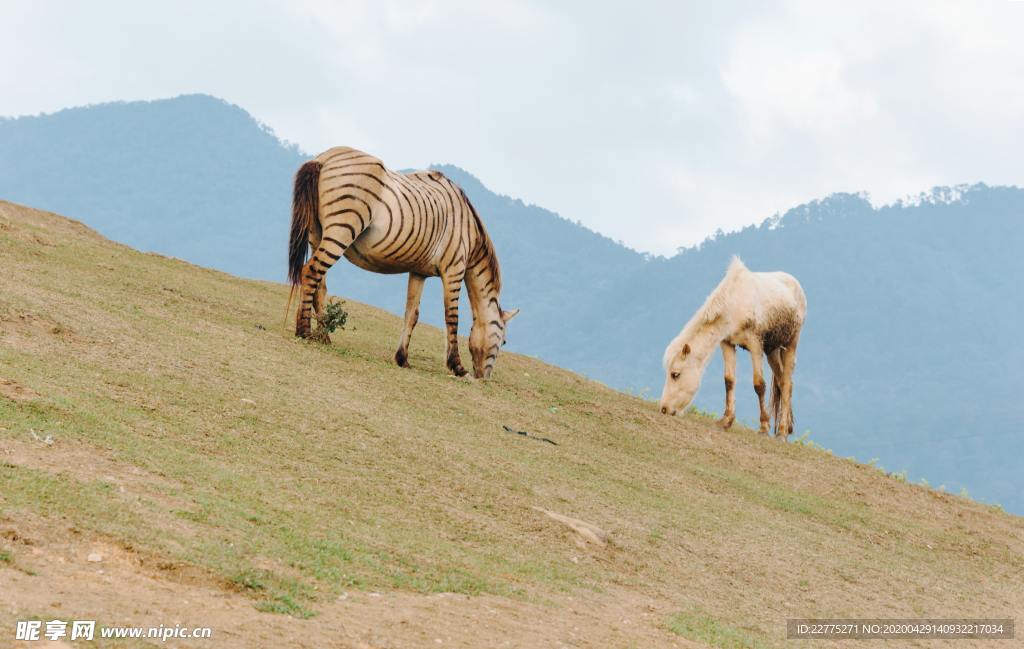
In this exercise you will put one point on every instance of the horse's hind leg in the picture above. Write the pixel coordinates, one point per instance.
(784, 425)
(775, 362)
(340, 229)
(729, 360)
(315, 236)
(757, 363)
(320, 297)
(412, 315)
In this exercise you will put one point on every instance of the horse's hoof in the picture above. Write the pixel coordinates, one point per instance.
(401, 358)
(459, 371)
(726, 422)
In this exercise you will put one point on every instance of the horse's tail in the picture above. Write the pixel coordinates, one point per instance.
(776, 404)
(305, 213)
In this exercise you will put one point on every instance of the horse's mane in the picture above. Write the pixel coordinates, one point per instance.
(709, 313)
(716, 303)
(486, 245)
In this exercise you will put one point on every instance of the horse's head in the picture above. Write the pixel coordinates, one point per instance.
(490, 331)
(682, 378)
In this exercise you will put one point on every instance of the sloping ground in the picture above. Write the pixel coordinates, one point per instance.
(282, 492)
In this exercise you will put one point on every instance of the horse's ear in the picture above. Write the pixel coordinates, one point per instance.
(508, 315)
(685, 350)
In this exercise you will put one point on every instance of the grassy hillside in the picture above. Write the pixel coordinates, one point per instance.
(210, 455)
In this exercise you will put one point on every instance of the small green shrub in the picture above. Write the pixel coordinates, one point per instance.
(331, 318)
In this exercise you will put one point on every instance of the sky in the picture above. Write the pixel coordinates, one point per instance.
(656, 124)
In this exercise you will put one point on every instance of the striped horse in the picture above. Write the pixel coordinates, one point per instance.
(348, 203)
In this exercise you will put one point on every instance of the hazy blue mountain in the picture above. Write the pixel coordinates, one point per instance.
(908, 354)
(193, 177)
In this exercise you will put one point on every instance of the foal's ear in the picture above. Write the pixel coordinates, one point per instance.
(685, 350)
(508, 315)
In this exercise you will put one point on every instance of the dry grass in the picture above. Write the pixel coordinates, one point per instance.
(293, 472)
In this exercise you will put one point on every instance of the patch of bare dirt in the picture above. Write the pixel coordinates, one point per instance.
(15, 391)
(51, 576)
(83, 462)
(57, 580)
(145, 490)
(27, 331)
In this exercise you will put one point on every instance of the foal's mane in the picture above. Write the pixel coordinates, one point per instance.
(709, 313)
(714, 307)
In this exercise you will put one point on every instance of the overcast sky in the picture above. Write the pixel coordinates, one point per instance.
(655, 123)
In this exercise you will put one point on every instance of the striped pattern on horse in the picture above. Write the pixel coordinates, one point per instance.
(347, 203)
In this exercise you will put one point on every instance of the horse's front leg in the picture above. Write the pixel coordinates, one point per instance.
(757, 363)
(452, 282)
(729, 360)
(412, 316)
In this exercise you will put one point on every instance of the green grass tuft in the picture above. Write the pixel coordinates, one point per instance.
(285, 605)
(705, 629)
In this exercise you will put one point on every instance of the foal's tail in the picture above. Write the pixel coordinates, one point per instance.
(305, 214)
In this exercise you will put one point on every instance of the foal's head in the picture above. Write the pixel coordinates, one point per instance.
(682, 378)
(489, 334)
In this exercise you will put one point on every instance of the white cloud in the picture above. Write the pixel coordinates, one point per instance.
(656, 125)
(782, 88)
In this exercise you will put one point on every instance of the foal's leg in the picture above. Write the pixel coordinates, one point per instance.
(412, 316)
(756, 362)
(452, 286)
(729, 360)
(775, 362)
(785, 424)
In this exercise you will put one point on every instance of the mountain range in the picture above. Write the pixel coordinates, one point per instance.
(907, 355)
